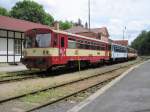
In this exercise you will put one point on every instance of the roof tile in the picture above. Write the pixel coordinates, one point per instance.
(18, 25)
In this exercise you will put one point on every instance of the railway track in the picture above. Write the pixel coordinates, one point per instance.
(65, 84)
(70, 95)
(20, 77)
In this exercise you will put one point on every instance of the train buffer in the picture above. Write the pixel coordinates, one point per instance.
(130, 94)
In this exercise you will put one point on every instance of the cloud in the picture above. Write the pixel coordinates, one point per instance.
(115, 15)
(8, 4)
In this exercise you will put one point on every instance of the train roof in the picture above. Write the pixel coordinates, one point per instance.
(71, 34)
(123, 46)
(118, 45)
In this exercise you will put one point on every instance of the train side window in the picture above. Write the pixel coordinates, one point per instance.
(109, 47)
(62, 42)
(71, 43)
(93, 47)
(102, 46)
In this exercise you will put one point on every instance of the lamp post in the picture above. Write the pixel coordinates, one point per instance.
(89, 8)
(124, 31)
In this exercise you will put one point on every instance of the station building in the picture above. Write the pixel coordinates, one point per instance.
(12, 37)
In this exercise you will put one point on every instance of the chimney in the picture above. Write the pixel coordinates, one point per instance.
(56, 25)
(86, 25)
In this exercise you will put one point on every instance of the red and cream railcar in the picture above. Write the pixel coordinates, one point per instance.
(46, 48)
(132, 53)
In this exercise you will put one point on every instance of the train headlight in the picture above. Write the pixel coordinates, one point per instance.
(47, 52)
(43, 51)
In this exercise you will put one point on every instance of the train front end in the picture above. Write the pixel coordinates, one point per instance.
(37, 49)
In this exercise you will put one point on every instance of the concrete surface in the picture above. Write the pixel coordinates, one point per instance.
(60, 107)
(131, 94)
(12, 68)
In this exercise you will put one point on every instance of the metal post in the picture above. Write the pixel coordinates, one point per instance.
(7, 46)
(124, 31)
(123, 34)
(89, 14)
(21, 45)
(14, 47)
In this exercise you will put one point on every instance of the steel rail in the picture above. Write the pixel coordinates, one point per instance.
(20, 78)
(69, 95)
(61, 85)
(77, 92)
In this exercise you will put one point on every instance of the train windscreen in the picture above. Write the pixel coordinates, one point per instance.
(40, 41)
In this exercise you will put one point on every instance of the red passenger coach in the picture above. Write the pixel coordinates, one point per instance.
(47, 48)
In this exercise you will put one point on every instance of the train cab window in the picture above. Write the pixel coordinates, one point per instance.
(62, 42)
(28, 42)
(43, 40)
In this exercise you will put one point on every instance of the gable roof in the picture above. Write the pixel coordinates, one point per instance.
(10, 23)
(80, 29)
(102, 30)
(77, 29)
(121, 42)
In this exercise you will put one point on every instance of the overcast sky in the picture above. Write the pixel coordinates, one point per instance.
(114, 14)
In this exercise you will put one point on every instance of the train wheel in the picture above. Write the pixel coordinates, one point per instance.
(49, 70)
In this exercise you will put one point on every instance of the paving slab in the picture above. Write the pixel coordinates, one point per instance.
(130, 94)
(12, 68)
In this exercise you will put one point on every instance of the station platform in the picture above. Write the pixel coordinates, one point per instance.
(12, 68)
(130, 94)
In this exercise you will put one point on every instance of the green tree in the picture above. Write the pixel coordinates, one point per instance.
(142, 43)
(31, 11)
(65, 25)
(3, 12)
(48, 19)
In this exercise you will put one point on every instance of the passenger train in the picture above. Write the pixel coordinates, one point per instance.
(47, 48)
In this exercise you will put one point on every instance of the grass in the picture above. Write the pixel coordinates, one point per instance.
(41, 97)
(51, 95)
(6, 75)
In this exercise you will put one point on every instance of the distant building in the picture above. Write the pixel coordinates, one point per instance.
(121, 42)
(99, 33)
(12, 36)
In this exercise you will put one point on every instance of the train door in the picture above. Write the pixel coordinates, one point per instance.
(62, 48)
(106, 50)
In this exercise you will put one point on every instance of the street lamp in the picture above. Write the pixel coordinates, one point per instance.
(124, 31)
(89, 7)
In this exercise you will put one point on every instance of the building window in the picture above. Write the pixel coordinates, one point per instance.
(17, 46)
(10, 34)
(3, 33)
(17, 35)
